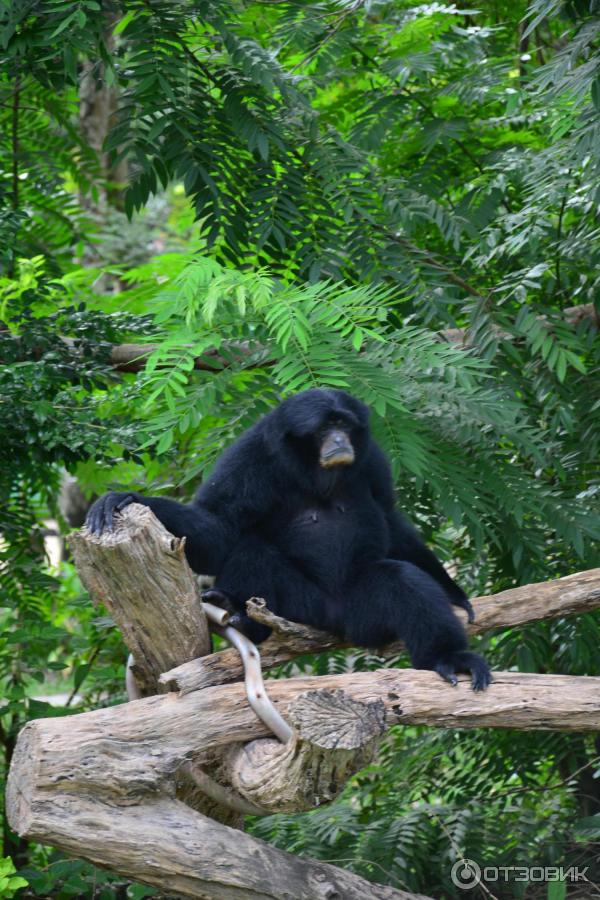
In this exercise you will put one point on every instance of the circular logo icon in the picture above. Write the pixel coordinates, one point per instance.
(465, 874)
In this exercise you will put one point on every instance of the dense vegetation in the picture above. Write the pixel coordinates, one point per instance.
(398, 198)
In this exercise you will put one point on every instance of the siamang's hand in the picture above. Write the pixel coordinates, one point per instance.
(101, 513)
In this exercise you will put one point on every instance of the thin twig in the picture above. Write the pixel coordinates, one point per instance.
(15, 144)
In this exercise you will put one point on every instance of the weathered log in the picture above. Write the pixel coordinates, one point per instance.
(102, 784)
(334, 737)
(166, 844)
(566, 596)
(106, 785)
(135, 750)
(573, 594)
(138, 572)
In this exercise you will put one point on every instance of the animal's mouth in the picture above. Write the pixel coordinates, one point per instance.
(340, 456)
(336, 449)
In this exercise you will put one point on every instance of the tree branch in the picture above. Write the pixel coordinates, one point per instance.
(108, 785)
(573, 594)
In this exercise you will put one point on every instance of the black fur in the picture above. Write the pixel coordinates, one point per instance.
(324, 547)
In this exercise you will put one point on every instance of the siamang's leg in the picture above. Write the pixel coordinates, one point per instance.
(391, 600)
(408, 545)
(207, 535)
(256, 568)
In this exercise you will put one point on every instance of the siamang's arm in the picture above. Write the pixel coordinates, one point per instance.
(240, 492)
(406, 542)
(206, 533)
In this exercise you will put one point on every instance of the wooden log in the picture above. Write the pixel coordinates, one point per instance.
(149, 739)
(573, 594)
(289, 639)
(166, 844)
(139, 573)
(102, 784)
(334, 737)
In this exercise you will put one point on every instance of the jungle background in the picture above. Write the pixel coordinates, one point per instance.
(396, 198)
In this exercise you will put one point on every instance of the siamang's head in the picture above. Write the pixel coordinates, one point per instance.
(323, 428)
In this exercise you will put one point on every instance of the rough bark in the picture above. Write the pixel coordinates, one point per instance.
(104, 788)
(98, 103)
(334, 737)
(138, 572)
(107, 785)
(566, 596)
(102, 785)
(166, 844)
(579, 593)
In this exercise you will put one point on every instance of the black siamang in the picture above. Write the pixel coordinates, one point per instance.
(300, 511)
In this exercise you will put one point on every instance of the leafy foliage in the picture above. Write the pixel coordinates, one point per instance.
(446, 423)
(396, 198)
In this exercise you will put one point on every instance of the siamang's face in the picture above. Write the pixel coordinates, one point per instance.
(328, 428)
(334, 442)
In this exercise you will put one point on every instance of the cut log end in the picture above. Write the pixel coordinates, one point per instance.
(335, 736)
(332, 720)
(139, 573)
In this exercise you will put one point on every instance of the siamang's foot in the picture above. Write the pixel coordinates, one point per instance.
(219, 598)
(100, 517)
(465, 661)
(465, 603)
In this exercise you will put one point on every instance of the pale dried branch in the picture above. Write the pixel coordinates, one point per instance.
(106, 785)
(566, 596)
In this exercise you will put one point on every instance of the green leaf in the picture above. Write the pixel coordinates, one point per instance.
(124, 22)
(556, 890)
(65, 23)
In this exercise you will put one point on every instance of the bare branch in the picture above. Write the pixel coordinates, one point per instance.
(566, 596)
(108, 785)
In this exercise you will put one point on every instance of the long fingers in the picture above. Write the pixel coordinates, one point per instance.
(100, 518)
